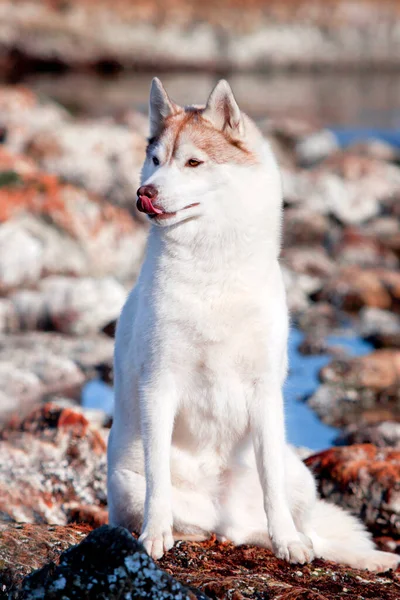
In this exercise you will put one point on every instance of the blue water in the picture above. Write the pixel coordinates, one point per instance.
(97, 394)
(303, 426)
(346, 136)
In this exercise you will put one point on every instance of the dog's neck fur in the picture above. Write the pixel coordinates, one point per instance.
(247, 241)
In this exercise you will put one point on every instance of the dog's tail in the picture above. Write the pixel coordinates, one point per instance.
(340, 537)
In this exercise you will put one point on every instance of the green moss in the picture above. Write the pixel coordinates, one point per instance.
(9, 179)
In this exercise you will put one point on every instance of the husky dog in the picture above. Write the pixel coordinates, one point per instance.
(198, 439)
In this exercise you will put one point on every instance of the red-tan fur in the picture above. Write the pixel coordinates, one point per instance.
(218, 145)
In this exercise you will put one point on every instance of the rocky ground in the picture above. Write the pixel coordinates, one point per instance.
(232, 34)
(71, 245)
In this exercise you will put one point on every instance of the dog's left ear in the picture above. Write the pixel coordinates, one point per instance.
(223, 111)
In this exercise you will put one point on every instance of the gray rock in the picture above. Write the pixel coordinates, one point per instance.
(299, 287)
(100, 155)
(381, 327)
(316, 146)
(381, 435)
(35, 365)
(21, 257)
(349, 187)
(53, 462)
(109, 564)
(74, 306)
(341, 405)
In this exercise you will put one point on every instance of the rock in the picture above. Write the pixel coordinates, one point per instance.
(363, 479)
(380, 327)
(25, 547)
(23, 115)
(36, 365)
(321, 318)
(339, 405)
(253, 37)
(9, 321)
(365, 386)
(299, 287)
(212, 569)
(366, 182)
(350, 188)
(386, 230)
(312, 261)
(313, 148)
(21, 261)
(377, 371)
(302, 227)
(315, 343)
(53, 461)
(352, 288)
(375, 148)
(223, 571)
(62, 230)
(103, 157)
(96, 416)
(382, 434)
(69, 305)
(357, 248)
(110, 563)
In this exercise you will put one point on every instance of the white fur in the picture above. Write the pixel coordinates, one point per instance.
(198, 440)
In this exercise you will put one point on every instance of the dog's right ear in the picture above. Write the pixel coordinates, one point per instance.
(160, 107)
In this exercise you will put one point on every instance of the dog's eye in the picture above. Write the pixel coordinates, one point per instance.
(192, 162)
(156, 162)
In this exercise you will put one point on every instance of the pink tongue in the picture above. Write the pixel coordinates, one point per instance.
(148, 206)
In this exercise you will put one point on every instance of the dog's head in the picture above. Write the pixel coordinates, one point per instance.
(202, 163)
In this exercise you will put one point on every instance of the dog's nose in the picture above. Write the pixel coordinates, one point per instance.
(146, 195)
(149, 191)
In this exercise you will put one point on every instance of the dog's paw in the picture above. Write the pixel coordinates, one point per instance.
(156, 543)
(294, 550)
(377, 561)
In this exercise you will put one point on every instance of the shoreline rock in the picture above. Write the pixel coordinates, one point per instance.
(276, 35)
(363, 479)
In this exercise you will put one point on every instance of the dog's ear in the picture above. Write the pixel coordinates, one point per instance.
(223, 111)
(160, 107)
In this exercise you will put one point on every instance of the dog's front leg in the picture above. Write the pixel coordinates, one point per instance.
(158, 404)
(268, 429)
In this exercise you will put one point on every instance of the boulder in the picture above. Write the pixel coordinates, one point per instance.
(51, 227)
(303, 227)
(109, 564)
(351, 188)
(37, 365)
(103, 156)
(77, 306)
(320, 318)
(352, 288)
(386, 433)
(380, 327)
(25, 547)
(53, 468)
(378, 371)
(363, 479)
(100, 155)
(299, 287)
(101, 566)
(312, 261)
(355, 247)
(359, 387)
(340, 405)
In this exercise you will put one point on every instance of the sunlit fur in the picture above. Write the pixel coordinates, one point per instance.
(198, 442)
